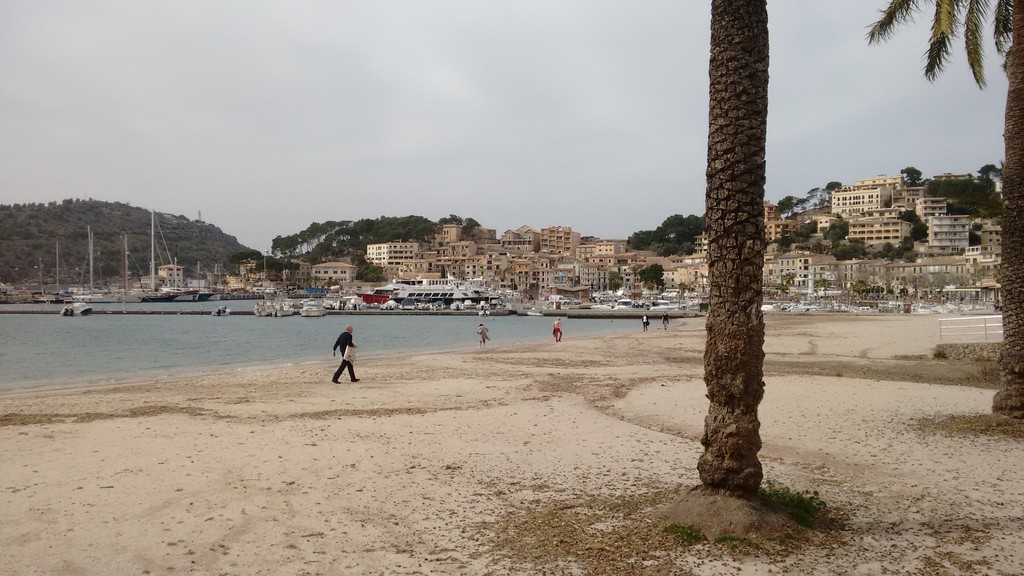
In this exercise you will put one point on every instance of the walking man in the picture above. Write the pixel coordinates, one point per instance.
(347, 347)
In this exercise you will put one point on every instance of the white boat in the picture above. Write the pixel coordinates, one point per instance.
(94, 297)
(221, 311)
(76, 309)
(283, 308)
(263, 308)
(312, 308)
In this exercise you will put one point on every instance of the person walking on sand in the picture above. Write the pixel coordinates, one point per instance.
(646, 322)
(348, 355)
(664, 320)
(482, 332)
(556, 329)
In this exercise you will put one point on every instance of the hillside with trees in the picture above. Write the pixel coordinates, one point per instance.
(676, 235)
(31, 233)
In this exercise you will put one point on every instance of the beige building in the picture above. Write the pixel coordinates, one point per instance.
(332, 273)
(776, 229)
(906, 198)
(879, 228)
(824, 222)
(449, 233)
(171, 274)
(866, 194)
(522, 239)
(799, 271)
(559, 240)
(928, 207)
(991, 235)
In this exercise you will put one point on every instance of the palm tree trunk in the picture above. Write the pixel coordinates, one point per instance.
(734, 355)
(1009, 401)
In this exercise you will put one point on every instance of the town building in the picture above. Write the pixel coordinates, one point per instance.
(391, 254)
(948, 235)
(878, 229)
(559, 240)
(523, 239)
(326, 273)
(866, 194)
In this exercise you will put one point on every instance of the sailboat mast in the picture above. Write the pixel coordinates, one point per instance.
(152, 251)
(57, 269)
(125, 271)
(89, 230)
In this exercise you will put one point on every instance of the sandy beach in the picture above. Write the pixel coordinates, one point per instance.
(535, 459)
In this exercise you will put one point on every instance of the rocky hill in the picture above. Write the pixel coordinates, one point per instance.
(31, 233)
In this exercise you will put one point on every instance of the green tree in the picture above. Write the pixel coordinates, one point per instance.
(614, 280)
(675, 235)
(451, 219)
(849, 250)
(918, 231)
(734, 353)
(967, 196)
(837, 230)
(368, 272)
(787, 204)
(912, 176)
(652, 276)
(246, 256)
(969, 15)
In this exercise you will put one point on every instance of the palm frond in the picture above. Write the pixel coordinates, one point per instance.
(1003, 26)
(897, 13)
(944, 27)
(974, 20)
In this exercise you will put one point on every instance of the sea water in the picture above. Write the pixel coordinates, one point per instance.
(52, 351)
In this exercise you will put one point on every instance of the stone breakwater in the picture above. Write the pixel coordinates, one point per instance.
(982, 351)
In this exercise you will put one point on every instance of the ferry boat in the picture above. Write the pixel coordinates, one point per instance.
(429, 291)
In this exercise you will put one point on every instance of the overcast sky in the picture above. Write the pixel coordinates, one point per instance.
(267, 116)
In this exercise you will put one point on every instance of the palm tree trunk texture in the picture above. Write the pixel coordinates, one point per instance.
(734, 353)
(1009, 401)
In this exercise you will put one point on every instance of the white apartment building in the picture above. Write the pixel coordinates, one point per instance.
(866, 194)
(391, 254)
(948, 234)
